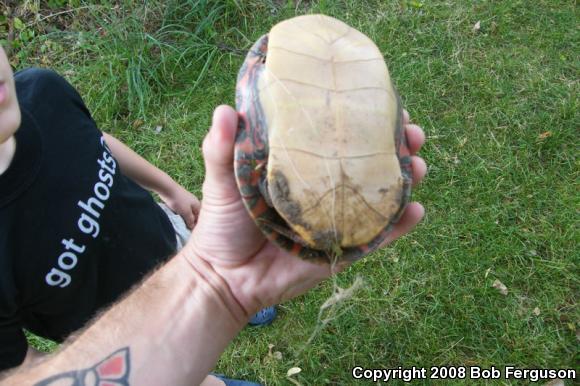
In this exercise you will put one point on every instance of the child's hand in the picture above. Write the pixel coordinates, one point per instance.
(184, 204)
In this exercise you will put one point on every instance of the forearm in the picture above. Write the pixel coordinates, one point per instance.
(139, 169)
(171, 331)
(33, 356)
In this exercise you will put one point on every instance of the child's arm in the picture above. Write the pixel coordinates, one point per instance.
(152, 178)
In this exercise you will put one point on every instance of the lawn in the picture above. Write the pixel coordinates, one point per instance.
(494, 84)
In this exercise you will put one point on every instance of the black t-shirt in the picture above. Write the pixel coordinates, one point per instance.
(74, 232)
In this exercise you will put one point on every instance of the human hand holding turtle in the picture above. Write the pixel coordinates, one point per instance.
(226, 238)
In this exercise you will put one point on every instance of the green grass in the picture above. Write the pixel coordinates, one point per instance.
(500, 110)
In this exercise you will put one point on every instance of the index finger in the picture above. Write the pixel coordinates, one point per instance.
(415, 137)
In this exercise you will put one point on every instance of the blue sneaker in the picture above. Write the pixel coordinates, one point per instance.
(264, 317)
(234, 382)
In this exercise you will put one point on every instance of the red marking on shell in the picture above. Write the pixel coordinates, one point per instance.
(296, 248)
(260, 208)
(246, 146)
(255, 178)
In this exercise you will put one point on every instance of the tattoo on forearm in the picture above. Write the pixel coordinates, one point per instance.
(111, 371)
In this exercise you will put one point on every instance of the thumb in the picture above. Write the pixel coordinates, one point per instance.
(218, 153)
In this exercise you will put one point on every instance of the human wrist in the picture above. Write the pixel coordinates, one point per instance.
(166, 187)
(214, 286)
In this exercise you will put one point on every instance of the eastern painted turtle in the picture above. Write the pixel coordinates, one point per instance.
(321, 158)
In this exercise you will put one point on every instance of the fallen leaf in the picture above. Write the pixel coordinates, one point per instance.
(137, 123)
(294, 381)
(545, 135)
(498, 285)
(487, 272)
(275, 354)
(536, 311)
(293, 371)
(477, 26)
(18, 24)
